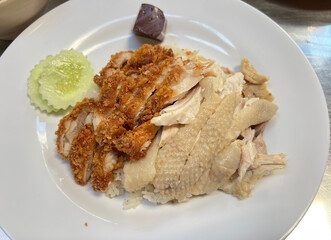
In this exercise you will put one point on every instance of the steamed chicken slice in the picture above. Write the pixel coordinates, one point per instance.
(168, 132)
(182, 111)
(243, 187)
(250, 73)
(255, 113)
(248, 151)
(212, 138)
(196, 162)
(260, 145)
(222, 167)
(257, 90)
(137, 174)
(172, 156)
(233, 84)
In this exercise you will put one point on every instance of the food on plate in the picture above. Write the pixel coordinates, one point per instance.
(60, 81)
(150, 22)
(169, 124)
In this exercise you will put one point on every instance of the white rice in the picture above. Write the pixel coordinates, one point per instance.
(133, 200)
(115, 187)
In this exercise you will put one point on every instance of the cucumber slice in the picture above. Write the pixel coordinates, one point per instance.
(33, 86)
(66, 79)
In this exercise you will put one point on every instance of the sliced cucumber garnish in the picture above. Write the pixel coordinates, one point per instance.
(33, 86)
(60, 81)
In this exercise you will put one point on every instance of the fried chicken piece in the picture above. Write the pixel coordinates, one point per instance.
(70, 125)
(117, 61)
(136, 142)
(104, 163)
(134, 93)
(178, 81)
(147, 54)
(81, 154)
(110, 128)
(116, 90)
(163, 94)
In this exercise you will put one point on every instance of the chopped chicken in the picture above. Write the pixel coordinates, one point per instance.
(104, 163)
(258, 112)
(248, 155)
(182, 112)
(193, 164)
(257, 90)
(168, 132)
(212, 138)
(260, 145)
(70, 125)
(170, 124)
(117, 61)
(81, 154)
(135, 86)
(248, 134)
(222, 166)
(137, 174)
(250, 73)
(242, 187)
(172, 157)
(213, 83)
(233, 84)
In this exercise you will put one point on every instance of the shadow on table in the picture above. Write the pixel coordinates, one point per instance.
(306, 4)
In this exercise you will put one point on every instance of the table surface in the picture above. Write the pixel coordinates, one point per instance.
(309, 25)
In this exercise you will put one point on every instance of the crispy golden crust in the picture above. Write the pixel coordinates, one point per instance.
(108, 69)
(141, 97)
(163, 94)
(132, 142)
(108, 92)
(147, 54)
(101, 175)
(110, 128)
(126, 91)
(81, 153)
(99, 178)
(85, 105)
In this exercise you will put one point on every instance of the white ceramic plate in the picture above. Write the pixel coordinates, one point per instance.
(39, 199)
